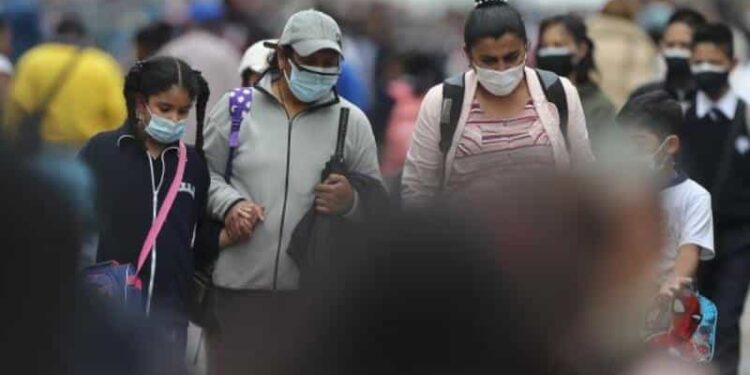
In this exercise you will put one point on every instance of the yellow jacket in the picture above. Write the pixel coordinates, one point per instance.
(89, 101)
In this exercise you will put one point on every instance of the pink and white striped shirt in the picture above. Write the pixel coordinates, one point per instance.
(493, 152)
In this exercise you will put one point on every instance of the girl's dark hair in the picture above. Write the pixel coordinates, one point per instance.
(493, 18)
(576, 27)
(159, 74)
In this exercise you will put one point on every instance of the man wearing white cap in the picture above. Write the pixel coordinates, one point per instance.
(284, 143)
(255, 62)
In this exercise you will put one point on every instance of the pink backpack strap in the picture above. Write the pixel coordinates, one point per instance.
(166, 206)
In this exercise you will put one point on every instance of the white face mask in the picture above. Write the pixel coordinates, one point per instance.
(501, 83)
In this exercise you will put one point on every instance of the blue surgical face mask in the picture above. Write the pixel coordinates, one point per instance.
(163, 130)
(310, 84)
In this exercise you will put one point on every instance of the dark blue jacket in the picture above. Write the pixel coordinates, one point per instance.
(126, 178)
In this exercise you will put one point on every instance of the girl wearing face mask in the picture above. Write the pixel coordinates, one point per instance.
(507, 127)
(566, 49)
(285, 140)
(133, 169)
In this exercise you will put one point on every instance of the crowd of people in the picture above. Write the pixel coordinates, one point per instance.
(309, 209)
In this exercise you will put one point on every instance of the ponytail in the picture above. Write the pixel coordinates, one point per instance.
(204, 92)
(132, 88)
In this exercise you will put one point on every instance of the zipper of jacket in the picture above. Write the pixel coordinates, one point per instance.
(288, 167)
(286, 197)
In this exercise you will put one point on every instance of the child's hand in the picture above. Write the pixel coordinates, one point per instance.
(674, 284)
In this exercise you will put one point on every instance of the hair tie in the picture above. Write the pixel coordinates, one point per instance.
(138, 66)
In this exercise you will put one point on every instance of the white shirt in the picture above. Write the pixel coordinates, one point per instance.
(727, 104)
(689, 221)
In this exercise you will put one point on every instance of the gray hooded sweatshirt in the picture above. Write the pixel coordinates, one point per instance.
(277, 165)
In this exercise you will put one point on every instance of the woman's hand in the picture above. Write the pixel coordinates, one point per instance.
(335, 196)
(241, 222)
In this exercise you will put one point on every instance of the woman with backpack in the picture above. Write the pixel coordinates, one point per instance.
(498, 121)
(143, 173)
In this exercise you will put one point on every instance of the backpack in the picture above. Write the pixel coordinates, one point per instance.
(240, 101)
(453, 100)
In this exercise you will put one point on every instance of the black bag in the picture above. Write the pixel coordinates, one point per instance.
(29, 137)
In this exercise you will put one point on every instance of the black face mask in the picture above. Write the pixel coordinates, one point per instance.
(561, 65)
(711, 82)
(678, 69)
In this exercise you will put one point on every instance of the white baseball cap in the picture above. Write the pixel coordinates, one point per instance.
(310, 31)
(256, 57)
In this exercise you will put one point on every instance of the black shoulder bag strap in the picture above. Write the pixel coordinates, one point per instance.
(450, 111)
(337, 163)
(29, 128)
(555, 93)
(725, 163)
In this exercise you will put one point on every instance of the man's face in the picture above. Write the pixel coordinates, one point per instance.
(677, 35)
(713, 54)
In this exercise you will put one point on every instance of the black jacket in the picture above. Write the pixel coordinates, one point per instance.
(126, 177)
(317, 240)
(704, 142)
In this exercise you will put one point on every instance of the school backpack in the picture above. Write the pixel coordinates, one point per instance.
(453, 100)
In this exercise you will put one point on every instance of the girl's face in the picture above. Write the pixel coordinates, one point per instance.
(173, 104)
(503, 53)
(557, 36)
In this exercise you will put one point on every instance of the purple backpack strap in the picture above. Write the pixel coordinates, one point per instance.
(240, 101)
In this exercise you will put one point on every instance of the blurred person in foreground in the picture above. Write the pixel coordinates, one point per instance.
(716, 149)
(676, 48)
(566, 49)
(285, 140)
(75, 88)
(653, 121)
(516, 286)
(255, 62)
(507, 126)
(625, 54)
(205, 50)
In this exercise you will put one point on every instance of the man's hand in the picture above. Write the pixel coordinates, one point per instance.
(335, 196)
(242, 220)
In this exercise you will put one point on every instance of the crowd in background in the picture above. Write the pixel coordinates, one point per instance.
(62, 79)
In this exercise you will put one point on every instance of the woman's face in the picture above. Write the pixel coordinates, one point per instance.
(503, 53)
(557, 36)
(173, 104)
